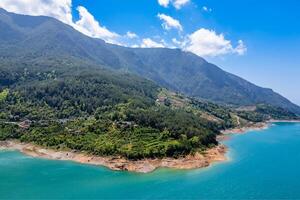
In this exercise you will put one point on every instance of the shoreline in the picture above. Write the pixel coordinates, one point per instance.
(199, 160)
(287, 121)
(252, 127)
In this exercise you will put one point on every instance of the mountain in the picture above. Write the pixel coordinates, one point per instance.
(63, 90)
(31, 41)
(108, 113)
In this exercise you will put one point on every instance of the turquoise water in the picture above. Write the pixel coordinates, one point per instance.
(263, 164)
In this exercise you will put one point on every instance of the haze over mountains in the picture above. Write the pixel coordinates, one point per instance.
(27, 41)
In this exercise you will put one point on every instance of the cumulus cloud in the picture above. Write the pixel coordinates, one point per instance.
(169, 22)
(149, 43)
(88, 25)
(131, 35)
(164, 3)
(204, 42)
(241, 48)
(178, 4)
(62, 10)
(176, 42)
(207, 43)
(59, 9)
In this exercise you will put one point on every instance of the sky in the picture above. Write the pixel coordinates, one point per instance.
(258, 40)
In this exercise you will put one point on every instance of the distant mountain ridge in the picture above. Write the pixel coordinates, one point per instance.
(27, 41)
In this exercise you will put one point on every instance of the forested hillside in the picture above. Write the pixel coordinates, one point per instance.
(107, 113)
(44, 41)
(63, 90)
(100, 112)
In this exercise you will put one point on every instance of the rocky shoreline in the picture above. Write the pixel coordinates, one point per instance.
(198, 160)
(288, 121)
(251, 127)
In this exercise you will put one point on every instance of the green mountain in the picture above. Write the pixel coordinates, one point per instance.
(27, 40)
(103, 112)
(63, 90)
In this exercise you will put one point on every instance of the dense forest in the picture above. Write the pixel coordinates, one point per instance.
(102, 112)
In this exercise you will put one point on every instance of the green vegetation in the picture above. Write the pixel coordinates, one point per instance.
(275, 112)
(109, 113)
(43, 42)
(99, 112)
(3, 95)
(102, 112)
(63, 90)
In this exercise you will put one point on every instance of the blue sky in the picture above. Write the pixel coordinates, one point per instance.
(257, 40)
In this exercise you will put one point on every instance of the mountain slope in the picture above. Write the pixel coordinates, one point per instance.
(27, 40)
(103, 112)
(58, 90)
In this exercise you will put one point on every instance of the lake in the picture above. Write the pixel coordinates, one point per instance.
(262, 164)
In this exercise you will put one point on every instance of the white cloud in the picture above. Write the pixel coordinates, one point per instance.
(88, 25)
(202, 42)
(135, 46)
(206, 9)
(176, 42)
(61, 10)
(241, 48)
(149, 43)
(164, 3)
(178, 4)
(131, 35)
(205, 42)
(169, 22)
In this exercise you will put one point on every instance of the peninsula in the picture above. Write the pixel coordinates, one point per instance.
(64, 95)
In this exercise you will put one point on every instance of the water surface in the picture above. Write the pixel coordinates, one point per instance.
(263, 164)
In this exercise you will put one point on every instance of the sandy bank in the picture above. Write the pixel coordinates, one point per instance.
(289, 121)
(198, 160)
(251, 127)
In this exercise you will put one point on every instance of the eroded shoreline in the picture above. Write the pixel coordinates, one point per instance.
(252, 127)
(199, 160)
